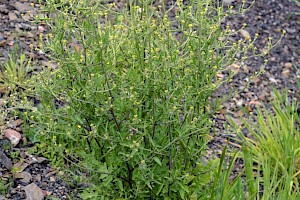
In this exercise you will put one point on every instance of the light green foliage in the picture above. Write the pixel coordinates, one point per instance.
(14, 73)
(5, 186)
(263, 180)
(128, 104)
(274, 151)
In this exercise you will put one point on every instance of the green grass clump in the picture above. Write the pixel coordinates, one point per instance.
(127, 106)
(14, 73)
(272, 152)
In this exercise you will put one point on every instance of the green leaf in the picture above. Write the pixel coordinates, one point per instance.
(156, 159)
(120, 185)
(148, 184)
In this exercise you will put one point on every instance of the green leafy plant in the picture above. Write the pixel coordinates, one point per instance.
(127, 106)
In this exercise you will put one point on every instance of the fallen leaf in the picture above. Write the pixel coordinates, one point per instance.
(13, 136)
(33, 192)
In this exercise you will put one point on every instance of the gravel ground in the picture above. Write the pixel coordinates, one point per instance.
(266, 17)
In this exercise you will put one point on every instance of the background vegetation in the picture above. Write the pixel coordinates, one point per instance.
(128, 110)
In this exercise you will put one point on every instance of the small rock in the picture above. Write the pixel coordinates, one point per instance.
(249, 94)
(237, 121)
(262, 97)
(38, 178)
(20, 166)
(285, 73)
(52, 179)
(11, 43)
(49, 64)
(240, 113)
(30, 35)
(288, 65)
(2, 43)
(273, 80)
(235, 66)
(13, 191)
(41, 159)
(25, 27)
(220, 75)
(3, 9)
(24, 176)
(13, 136)
(60, 173)
(22, 7)
(256, 80)
(41, 29)
(5, 161)
(239, 103)
(31, 159)
(3, 102)
(246, 69)
(228, 1)
(254, 102)
(15, 124)
(33, 192)
(27, 17)
(47, 193)
(222, 111)
(50, 174)
(12, 16)
(245, 34)
(290, 30)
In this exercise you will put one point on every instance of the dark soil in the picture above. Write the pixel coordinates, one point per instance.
(266, 17)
